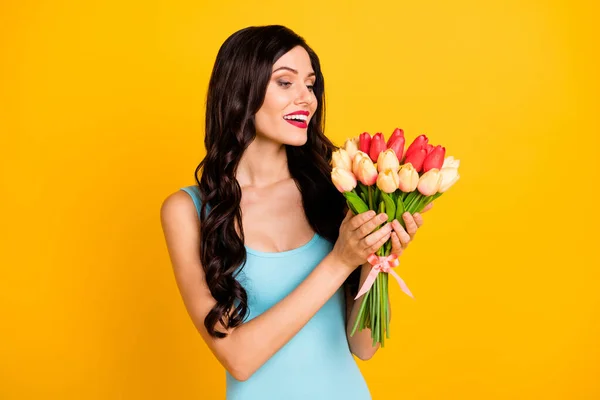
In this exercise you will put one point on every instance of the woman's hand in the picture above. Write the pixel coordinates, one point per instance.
(401, 237)
(357, 239)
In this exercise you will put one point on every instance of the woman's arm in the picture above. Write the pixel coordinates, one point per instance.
(361, 344)
(250, 345)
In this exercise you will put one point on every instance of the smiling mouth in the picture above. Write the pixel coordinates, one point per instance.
(299, 121)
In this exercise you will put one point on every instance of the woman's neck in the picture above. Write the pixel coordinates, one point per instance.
(263, 164)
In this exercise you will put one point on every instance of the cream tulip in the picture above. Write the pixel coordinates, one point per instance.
(449, 178)
(451, 162)
(387, 160)
(388, 181)
(341, 159)
(343, 179)
(351, 147)
(429, 182)
(408, 178)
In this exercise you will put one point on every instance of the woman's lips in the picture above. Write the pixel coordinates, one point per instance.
(299, 124)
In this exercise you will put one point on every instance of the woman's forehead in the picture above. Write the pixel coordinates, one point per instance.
(296, 60)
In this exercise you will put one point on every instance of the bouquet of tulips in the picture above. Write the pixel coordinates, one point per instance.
(380, 176)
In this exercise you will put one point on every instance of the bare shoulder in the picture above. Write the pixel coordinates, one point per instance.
(180, 226)
(177, 205)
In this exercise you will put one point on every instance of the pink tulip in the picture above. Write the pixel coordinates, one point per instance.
(357, 157)
(430, 182)
(416, 158)
(388, 181)
(366, 171)
(343, 179)
(434, 159)
(408, 178)
(377, 146)
(364, 142)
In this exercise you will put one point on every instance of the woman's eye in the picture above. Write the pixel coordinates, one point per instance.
(311, 87)
(284, 83)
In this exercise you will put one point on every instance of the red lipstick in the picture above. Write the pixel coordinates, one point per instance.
(301, 121)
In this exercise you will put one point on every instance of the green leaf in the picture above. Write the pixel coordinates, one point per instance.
(427, 200)
(410, 196)
(364, 197)
(412, 200)
(362, 187)
(377, 195)
(399, 209)
(390, 207)
(420, 204)
(355, 203)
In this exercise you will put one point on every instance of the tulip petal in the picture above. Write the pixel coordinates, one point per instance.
(398, 133)
(419, 143)
(377, 146)
(434, 158)
(364, 142)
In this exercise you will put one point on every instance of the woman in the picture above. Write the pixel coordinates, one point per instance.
(264, 250)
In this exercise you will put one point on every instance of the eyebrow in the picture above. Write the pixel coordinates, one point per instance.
(293, 70)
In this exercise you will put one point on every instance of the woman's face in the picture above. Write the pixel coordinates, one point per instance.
(289, 101)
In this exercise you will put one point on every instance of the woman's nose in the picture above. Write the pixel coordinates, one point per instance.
(304, 96)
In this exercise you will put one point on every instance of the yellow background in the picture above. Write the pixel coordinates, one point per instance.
(101, 117)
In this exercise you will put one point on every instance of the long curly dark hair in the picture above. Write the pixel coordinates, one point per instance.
(236, 91)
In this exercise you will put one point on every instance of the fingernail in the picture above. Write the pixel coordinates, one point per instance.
(382, 217)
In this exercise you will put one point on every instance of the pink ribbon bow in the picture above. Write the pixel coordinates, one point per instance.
(382, 264)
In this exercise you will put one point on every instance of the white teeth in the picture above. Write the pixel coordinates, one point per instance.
(303, 118)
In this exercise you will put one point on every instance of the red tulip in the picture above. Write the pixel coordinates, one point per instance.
(419, 143)
(364, 142)
(377, 146)
(395, 135)
(416, 158)
(429, 148)
(435, 159)
(396, 142)
(398, 147)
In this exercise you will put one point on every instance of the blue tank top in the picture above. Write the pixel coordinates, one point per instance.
(316, 363)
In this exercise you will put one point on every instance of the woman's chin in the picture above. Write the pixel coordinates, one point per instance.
(300, 141)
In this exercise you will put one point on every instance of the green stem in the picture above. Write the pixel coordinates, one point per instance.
(361, 311)
(387, 308)
(382, 310)
(375, 326)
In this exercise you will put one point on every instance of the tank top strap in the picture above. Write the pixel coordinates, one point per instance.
(194, 193)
